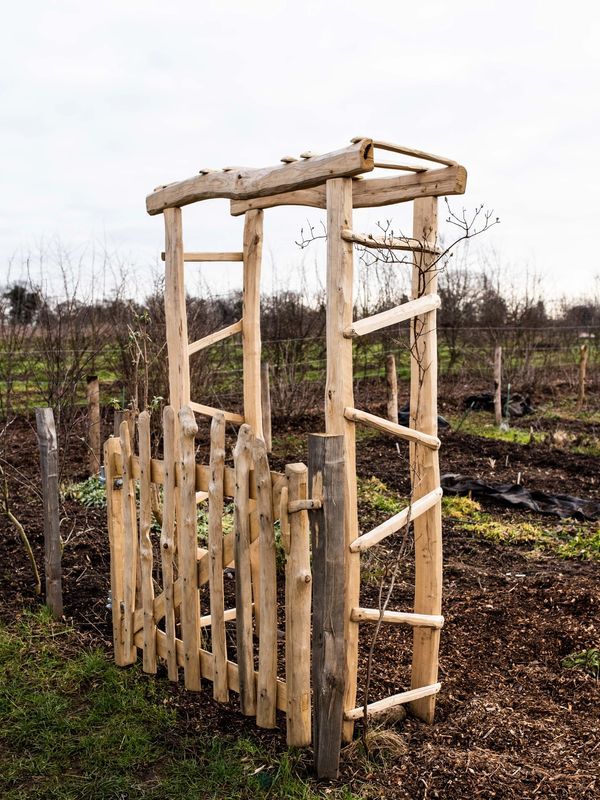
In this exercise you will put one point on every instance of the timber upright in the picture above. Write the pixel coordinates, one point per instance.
(184, 623)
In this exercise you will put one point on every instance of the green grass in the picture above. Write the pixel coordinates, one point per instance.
(73, 725)
(565, 538)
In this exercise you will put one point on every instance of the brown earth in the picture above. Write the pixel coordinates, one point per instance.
(510, 721)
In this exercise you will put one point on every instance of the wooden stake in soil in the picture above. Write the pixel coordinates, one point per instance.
(583, 360)
(391, 381)
(425, 469)
(298, 582)
(243, 577)
(93, 424)
(330, 554)
(266, 702)
(48, 445)
(147, 587)
(187, 537)
(215, 554)
(167, 538)
(498, 385)
(130, 543)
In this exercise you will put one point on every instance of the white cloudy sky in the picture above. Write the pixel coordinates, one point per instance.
(100, 102)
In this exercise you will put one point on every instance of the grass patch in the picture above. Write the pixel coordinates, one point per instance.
(73, 725)
(565, 538)
(586, 661)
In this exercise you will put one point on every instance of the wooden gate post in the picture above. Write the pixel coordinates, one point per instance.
(498, 385)
(330, 560)
(48, 445)
(391, 380)
(583, 360)
(93, 424)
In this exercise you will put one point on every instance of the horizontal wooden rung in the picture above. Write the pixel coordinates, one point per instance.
(388, 242)
(201, 497)
(397, 618)
(209, 411)
(414, 308)
(215, 337)
(386, 426)
(401, 167)
(398, 521)
(228, 615)
(409, 151)
(381, 706)
(190, 257)
(304, 505)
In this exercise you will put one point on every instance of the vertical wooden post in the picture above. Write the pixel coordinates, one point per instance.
(297, 612)
(329, 554)
(339, 395)
(114, 508)
(130, 544)
(243, 575)
(48, 445)
(187, 541)
(167, 538)
(498, 385)
(425, 471)
(145, 544)
(265, 392)
(253, 239)
(127, 416)
(215, 555)
(583, 360)
(176, 319)
(93, 424)
(266, 701)
(391, 381)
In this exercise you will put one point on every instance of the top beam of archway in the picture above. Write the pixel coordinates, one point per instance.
(246, 184)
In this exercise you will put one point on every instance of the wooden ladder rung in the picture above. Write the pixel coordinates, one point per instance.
(189, 257)
(398, 618)
(398, 521)
(401, 167)
(209, 411)
(381, 706)
(215, 337)
(414, 308)
(386, 426)
(228, 615)
(201, 497)
(389, 242)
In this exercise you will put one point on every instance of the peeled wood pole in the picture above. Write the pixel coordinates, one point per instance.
(265, 389)
(215, 554)
(48, 445)
(391, 381)
(130, 544)
(425, 471)
(498, 385)
(187, 536)
(93, 424)
(177, 337)
(253, 238)
(338, 396)
(167, 539)
(583, 360)
(147, 586)
(297, 611)
(330, 555)
(114, 508)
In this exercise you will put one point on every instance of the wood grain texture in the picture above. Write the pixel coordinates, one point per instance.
(145, 545)
(391, 428)
(94, 427)
(425, 470)
(265, 396)
(167, 541)
(207, 257)
(245, 183)
(213, 338)
(381, 706)
(266, 701)
(392, 316)
(175, 313)
(187, 536)
(298, 590)
(370, 193)
(243, 578)
(116, 535)
(397, 617)
(130, 546)
(498, 385)
(391, 386)
(253, 241)
(326, 475)
(48, 447)
(215, 555)
(339, 395)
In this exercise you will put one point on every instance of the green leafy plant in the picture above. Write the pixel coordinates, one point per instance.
(91, 493)
(586, 661)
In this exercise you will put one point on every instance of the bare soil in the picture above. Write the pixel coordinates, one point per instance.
(511, 722)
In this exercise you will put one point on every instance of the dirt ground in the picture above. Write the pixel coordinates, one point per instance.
(511, 722)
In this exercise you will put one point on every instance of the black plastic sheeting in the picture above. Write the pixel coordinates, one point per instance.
(514, 495)
(518, 405)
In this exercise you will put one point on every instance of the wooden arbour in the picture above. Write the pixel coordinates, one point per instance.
(333, 182)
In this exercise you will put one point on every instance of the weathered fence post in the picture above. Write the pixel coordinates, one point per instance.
(498, 385)
(391, 380)
(124, 415)
(93, 424)
(265, 391)
(330, 557)
(583, 360)
(48, 445)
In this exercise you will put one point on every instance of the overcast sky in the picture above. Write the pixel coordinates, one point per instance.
(102, 102)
